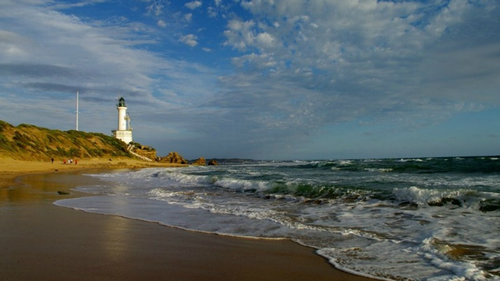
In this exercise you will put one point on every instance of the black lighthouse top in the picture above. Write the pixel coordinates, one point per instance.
(121, 102)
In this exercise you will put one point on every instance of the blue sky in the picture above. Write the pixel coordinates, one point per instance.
(262, 79)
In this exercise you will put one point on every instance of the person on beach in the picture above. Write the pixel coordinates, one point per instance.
(52, 160)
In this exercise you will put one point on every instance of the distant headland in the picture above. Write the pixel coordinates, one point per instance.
(32, 143)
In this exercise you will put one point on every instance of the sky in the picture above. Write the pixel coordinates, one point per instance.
(261, 79)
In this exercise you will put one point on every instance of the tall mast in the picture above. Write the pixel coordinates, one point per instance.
(77, 110)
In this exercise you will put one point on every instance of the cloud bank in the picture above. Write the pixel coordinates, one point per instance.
(306, 65)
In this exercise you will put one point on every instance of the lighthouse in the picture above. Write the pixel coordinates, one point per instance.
(124, 131)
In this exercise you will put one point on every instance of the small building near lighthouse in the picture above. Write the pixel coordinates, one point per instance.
(124, 131)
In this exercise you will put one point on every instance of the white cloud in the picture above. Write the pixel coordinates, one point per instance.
(155, 9)
(188, 17)
(212, 12)
(189, 40)
(161, 23)
(14, 45)
(193, 5)
(72, 5)
(240, 34)
(240, 26)
(243, 35)
(265, 39)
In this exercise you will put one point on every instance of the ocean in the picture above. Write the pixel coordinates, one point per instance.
(396, 219)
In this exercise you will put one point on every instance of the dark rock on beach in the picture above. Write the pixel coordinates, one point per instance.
(489, 205)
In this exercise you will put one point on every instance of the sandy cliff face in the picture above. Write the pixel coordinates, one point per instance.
(145, 151)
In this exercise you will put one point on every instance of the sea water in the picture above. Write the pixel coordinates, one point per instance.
(398, 219)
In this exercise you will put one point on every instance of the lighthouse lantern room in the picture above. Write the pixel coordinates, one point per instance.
(124, 131)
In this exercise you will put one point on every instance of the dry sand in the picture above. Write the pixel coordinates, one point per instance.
(40, 241)
(10, 168)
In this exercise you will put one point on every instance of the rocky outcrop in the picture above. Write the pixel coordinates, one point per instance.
(213, 162)
(173, 157)
(143, 150)
(145, 153)
(200, 162)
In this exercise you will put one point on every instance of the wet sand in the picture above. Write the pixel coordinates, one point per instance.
(40, 241)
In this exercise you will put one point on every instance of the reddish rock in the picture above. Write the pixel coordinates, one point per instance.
(174, 158)
(200, 162)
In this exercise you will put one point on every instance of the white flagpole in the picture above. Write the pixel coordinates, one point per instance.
(77, 110)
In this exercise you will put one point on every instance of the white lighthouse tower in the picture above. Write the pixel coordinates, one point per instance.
(124, 131)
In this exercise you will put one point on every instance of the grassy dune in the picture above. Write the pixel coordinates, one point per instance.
(28, 142)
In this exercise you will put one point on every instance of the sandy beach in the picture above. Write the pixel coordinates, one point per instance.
(40, 241)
